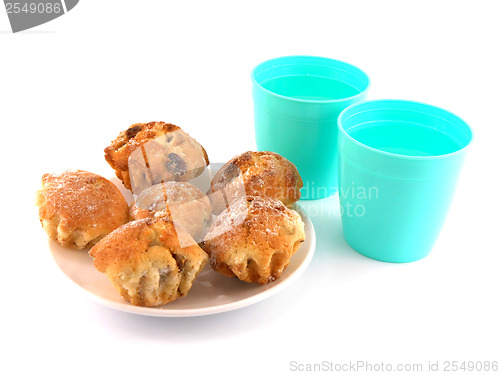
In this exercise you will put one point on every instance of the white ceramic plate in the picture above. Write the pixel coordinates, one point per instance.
(211, 292)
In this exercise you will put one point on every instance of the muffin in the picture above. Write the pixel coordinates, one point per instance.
(146, 263)
(181, 202)
(78, 208)
(148, 153)
(253, 239)
(262, 173)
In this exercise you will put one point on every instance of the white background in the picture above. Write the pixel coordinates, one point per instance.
(68, 87)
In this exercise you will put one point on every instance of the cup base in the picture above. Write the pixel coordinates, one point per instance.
(389, 258)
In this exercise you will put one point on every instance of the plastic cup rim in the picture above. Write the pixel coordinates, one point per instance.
(401, 156)
(348, 98)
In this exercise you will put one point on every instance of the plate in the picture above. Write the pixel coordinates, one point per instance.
(211, 292)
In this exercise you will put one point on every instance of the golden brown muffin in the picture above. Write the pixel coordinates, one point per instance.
(148, 153)
(262, 173)
(146, 263)
(181, 202)
(254, 239)
(78, 208)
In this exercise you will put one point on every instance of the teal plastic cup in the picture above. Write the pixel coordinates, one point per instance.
(297, 101)
(399, 162)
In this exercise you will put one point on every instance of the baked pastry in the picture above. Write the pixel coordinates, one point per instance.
(261, 173)
(148, 153)
(254, 239)
(146, 262)
(181, 202)
(78, 208)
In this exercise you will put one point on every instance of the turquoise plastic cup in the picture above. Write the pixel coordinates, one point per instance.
(297, 100)
(399, 162)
